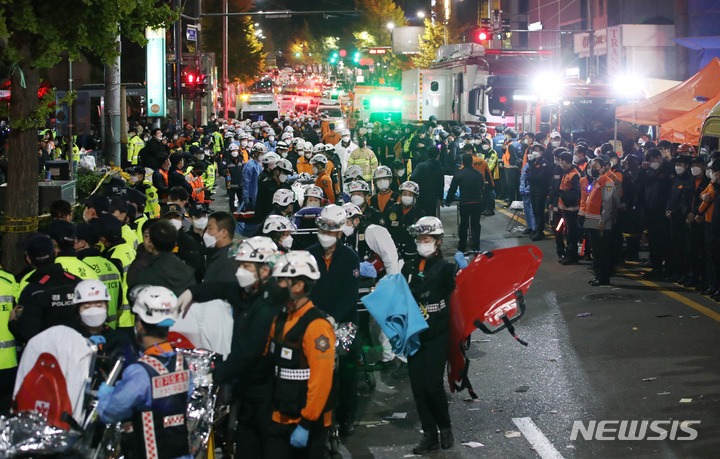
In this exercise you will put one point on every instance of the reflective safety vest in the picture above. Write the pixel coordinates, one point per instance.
(134, 145)
(197, 184)
(8, 353)
(70, 264)
(109, 275)
(161, 432)
(217, 142)
(209, 175)
(565, 184)
(130, 236)
(152, 203)
(139, 222)
(126, 255)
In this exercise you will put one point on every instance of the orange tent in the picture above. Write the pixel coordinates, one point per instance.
(686, 128)
(676, 101)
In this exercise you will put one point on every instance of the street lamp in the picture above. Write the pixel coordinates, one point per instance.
(421, 14)
(390, 25)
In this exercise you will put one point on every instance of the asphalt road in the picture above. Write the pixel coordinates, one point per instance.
(647, 352)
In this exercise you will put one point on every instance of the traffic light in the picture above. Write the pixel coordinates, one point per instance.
(480, 35)
(356, 57)
(193, 83)
(343, 53)
(333, 58)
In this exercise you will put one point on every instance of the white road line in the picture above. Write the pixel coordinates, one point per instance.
(537, 439)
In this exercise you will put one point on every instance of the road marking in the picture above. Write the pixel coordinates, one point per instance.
(537, 439)
(674, 295)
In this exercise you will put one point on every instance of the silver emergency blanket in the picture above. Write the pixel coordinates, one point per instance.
(28, 432)
(201, 407)
(344, 336)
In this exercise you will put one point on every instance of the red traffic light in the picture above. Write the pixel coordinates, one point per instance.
(483, 35)
(343, 53)
(502, 99)
(190, 78)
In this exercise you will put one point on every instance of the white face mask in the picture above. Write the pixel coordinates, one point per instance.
(284, 154)
(401, 173)
(176, 223)
(326, 240)
(234, 153)
(271, 138)
(315, 170)
(209, 240)
(357, 200)
(486, 147)
(308, 155)
(93, 317)
(696, 171)
(243, 143)
(348, 230)
(200, 157)
(576, 159)
(346, 139)
(408, 200)
(283, 177)
(287, 242)
(425, 249)
(535, 155)
(245, 278)
(555, 144)
(134, 179)
(313, 203)
(654, 166)
(200, 223)
(679, 170)
(383, 184)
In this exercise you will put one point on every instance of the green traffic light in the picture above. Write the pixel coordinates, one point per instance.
(332, 60)
(297, 54)
(335, 55)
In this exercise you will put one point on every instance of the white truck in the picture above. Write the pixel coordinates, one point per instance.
(259, 107)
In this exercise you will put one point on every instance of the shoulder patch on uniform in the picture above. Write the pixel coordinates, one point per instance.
(392, 217)
(322, 344)
(356, 273)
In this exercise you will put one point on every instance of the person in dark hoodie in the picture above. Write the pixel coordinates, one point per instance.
(679, 206)
(539, 177)
(429, 177)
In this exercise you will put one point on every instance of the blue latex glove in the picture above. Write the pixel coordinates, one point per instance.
(299, 437)
(105, 391)
(98, 339)
(368, 270)
(461, 260)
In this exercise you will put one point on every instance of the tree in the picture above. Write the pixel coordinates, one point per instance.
(431, 40)
(246, 57)
(35, 34)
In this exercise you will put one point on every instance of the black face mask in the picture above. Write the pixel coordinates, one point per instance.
(594, 173)
(278, 295)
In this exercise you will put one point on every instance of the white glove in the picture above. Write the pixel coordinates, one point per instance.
(184, 301)
(333, 324)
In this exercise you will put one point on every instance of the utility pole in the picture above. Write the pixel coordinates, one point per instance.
(70, 121)
(225, 94)
(591, 44)
(111, 136)
(178, 64)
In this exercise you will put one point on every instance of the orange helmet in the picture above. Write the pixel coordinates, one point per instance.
(687, 149)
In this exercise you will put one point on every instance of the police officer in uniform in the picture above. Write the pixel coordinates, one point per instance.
(151, 398)
(432, 281)
(8, 352)
(47, 299)
(138, 181)
(302, 346)
(403, 214)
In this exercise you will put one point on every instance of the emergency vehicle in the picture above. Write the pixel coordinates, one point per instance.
(377, 103)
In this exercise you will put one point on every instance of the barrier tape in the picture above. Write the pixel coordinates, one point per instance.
(19, 225)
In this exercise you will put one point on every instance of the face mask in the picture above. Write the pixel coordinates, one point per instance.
(369, 131)
(425, 249)
(695, 171)
(709, 174)
(346, 139)
(200, 157)
(461, 145)
(654, 166)
(348, 230)
(401, 173)
(278, 294)
(357, 200)
(313, 203)
(315, 170)
(486, 147)
(245, 278)
(209, 240)
(256, 131)
(234, 154)
(93, 317)
(555, 144)
(282, 177)
(536, 155)
(383, 184)
(317, 131)
(326, 240)
(679, 170)
(595, 173)
(576, 159)
(287, 242)
(558, 162)
(408, 200)
(200, 223)
(283, 154)
(271, 138)
(525, 141)
(308, 155)
(175, 137)
(243, 143)
(176, 223)
(134, 179)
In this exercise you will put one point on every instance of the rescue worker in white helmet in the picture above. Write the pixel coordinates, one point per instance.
(314, 197)
(245, 367)
(278, 229)
(401, 215)
(319, 165)
(432, 280)
(384, 197)
(339, 266)
(277, 179)
(151, 398)
(360, 195)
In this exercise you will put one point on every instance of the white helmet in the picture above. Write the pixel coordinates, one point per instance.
(353, 172)
(286, 136)
(283, 197)
(351, 210)
(382, 172)
(314, 192)
(318, 159)
(308, 146)
(296, 263)
(277, 223)
(345, 132)
(229, 134)
(331, 218)
(329, 147)
(288, 129)
(282, 145)
(427, 225)
(270, 157)
(284, 165)
(242, 135)
(358, 185)
(258, 249)
(156, 305)
(91, 290)
(409, 186)
(319, 148)
(233, 147)
(299, 145)
(259, 147)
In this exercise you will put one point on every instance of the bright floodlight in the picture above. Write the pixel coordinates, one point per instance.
(630, 86)
(421, 14)
(390, 25)
(548, 86)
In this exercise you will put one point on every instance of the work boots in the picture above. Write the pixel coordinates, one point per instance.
(428, 443)
(447, 439)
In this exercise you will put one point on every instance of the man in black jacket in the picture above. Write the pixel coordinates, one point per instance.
(175, 174)
(471, 184)
(431, 180)
(654, 183)
(420, 146)
(539, 176)
(252, 296)
(568, 204)
(679, 206)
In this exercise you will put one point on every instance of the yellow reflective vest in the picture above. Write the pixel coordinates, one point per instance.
(8, 353)
(109, 275)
